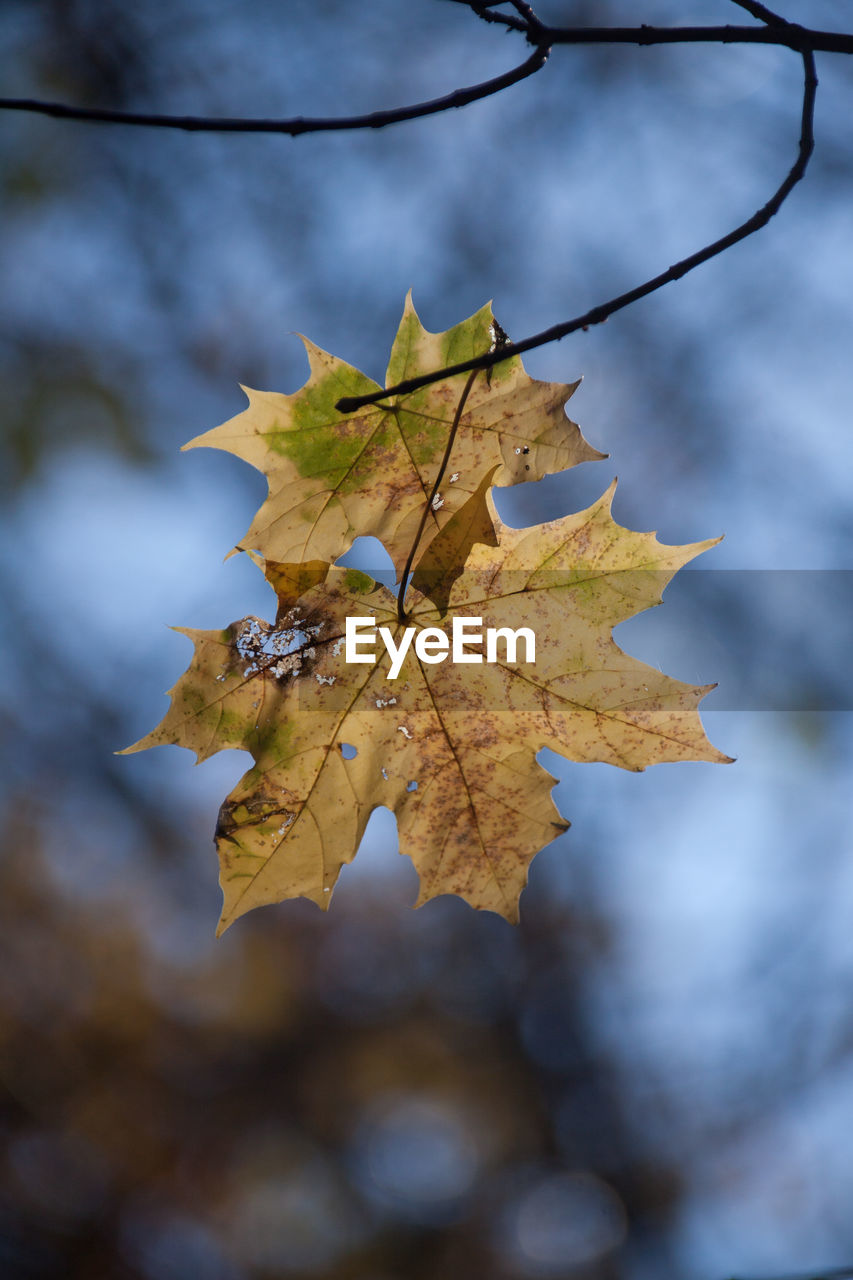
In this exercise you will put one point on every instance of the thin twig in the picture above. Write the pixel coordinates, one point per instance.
(761, 12)
(295, 126)
(457, 418)
(601, 312)
(788, 35)
(525, 22)
(776, 30)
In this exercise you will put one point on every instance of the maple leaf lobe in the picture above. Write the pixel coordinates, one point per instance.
(333, 477)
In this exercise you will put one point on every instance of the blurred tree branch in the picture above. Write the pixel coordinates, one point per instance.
(835, 1273)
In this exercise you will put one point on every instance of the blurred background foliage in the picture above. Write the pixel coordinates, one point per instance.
(651, 1076)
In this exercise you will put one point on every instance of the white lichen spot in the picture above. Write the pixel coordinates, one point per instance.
(323, 679)
(385, 774)
(277, 650)
(401, 728)
(518, 451)
(385, 702)
(220, 677)
(336, 648)
(454, 477)
(437, 502)
(326, 889)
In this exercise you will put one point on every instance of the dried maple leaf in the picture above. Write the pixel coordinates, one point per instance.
(450, 748)
(333, 477)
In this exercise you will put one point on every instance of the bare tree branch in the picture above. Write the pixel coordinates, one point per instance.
(777, 31)
(601, 312)
(525, 22)
(774, 30)
(295, 126)
(788, 35)
(761, 12)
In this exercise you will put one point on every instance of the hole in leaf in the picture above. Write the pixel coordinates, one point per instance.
(369, 556)
(348, 751)
(412, 786)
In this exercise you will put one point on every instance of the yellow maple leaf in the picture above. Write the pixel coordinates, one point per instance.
(333, 477)
(448, 745)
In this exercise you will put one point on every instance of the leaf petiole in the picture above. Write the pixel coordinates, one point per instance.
(457, 417)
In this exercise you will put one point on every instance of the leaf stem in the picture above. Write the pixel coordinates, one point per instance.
(457, 417)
